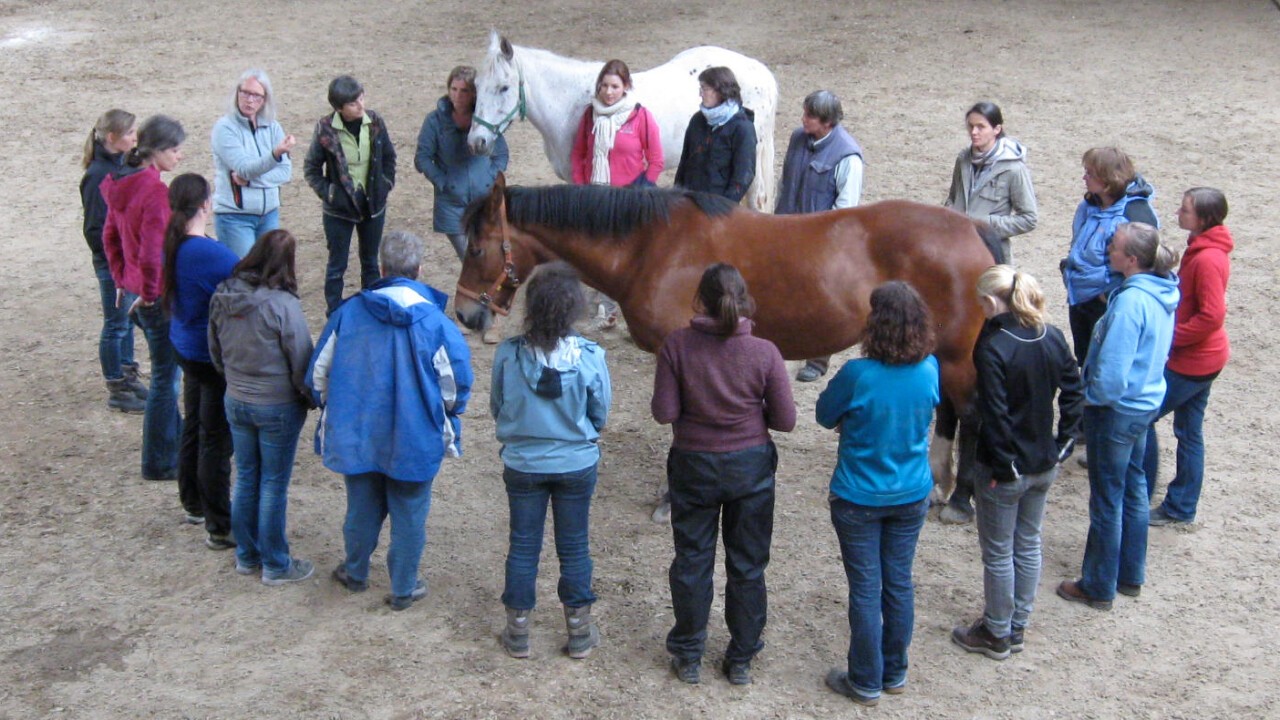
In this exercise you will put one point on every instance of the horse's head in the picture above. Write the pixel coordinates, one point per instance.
(493, 266)
(499, 96)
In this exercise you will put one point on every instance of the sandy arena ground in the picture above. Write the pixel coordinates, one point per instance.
(111, 608)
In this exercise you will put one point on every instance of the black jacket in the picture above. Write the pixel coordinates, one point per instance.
(326, 170)
(1020, 369)
(95, 207)
(721, 161)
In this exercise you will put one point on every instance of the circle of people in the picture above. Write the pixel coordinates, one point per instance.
(391, 373)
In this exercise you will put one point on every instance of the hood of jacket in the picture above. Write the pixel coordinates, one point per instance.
(1138, 187)
(544, 371)
(1163, 289)
(239, 297)
(1007, 149)
(445, 107)
(121, 185)
(1215, 238)
(711, 326)
(401, 301)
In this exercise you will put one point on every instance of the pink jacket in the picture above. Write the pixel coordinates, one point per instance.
(1200, 344)
(133, 238)
(636, 149)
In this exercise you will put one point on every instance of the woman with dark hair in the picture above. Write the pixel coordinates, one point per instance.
(258, 339)
(719, 154)
(114, 135)
(550, 400)
(991, 181)
(133, 241)
(722, 390)
(351, 166)
(882, 404)
(194, 264)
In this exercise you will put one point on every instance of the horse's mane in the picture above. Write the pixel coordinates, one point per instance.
(597, 210)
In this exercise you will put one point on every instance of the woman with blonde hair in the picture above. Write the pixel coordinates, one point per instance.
(1022, 363)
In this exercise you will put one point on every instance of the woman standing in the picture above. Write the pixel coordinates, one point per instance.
(351, 166)
(1200, 351)
(1114, 193)
(194, 264)
(991, 181)
(1022, 363)
(112, 137)
(719, 154)
(722, 390)
(250, 162)
(882, 405)
(258, 339)
(133, 241)
(550, 399)
(618, 142)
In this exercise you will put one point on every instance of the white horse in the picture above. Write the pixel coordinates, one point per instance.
(553, 92)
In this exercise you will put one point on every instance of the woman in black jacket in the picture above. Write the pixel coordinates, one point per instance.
(1022, 363)
(719, 154)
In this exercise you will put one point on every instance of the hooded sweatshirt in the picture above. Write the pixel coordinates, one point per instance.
(550, 407)
(133, 237)
(1087, 273)
(391, 374)
(1200, 345)
(258, 339)
(999, 192)
(1125, 366)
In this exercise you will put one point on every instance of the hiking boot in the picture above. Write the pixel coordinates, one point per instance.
(808, 373)
(978, 639)
(838, 680)
(583, 633)
(1160, 518)
(298, 571)
(515, 636)
(133, 380)
(122, 398)
(1070, 590)
(1016, 638)
(340, 575)
(687, 671)
(1129, 590)
(403, 602)
(738, 673)
(219, 542)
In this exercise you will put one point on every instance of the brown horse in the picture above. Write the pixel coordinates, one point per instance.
(811, 275)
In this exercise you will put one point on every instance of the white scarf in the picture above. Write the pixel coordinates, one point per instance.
(608, 118)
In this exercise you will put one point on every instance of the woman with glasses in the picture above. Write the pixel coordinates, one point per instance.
(719, 155)
(251, 162)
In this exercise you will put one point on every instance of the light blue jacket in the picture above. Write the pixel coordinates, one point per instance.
(457, 176)
(391, 374)
(549, 409)
(1087, 273)
(238, 147)
(1125, 366)
(883, 413)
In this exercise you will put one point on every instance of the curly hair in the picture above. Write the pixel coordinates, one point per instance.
(899, 327)
(553, 302)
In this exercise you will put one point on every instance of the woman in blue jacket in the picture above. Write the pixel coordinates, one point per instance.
(550, 399)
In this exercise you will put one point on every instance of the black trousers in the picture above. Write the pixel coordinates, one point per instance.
(710, 491)
(1083, 317)
(204, 452)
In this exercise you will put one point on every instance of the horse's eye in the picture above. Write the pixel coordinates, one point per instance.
(505, 88)
(473, 251)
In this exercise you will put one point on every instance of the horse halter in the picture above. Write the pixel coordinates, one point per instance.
(506, 280)
(519, 110)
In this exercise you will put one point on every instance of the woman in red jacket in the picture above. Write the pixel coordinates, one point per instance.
(1200, 351)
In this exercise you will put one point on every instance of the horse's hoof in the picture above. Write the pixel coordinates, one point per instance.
(662, 513)
(951, 515)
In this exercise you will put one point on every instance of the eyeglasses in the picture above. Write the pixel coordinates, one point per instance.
(252, 96)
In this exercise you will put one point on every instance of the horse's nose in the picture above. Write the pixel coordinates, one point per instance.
(480, 145)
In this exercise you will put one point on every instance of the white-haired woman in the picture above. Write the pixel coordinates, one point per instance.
(251, 162)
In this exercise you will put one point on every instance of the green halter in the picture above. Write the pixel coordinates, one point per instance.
(519, 110)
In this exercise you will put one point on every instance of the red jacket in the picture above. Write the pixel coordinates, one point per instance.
(1200, 344)
(637, 148)
(133, 237)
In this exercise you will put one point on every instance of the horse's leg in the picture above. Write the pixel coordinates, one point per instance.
(944, 435)
(969, 473)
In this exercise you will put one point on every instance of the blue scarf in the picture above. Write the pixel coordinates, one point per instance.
(721, 113)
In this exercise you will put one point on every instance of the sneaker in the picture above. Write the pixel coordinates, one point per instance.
(977, 638)
(1160, 518)
(687, 671)
(1070, 591)
(1016, 638)
(896, 689)
(247, 568)
(340, 575)
(402, 602)
(838, 680)
(219, 542)
(808, 373)
(1129, 590)
(738, 673)
(298, 571)
(193, 519)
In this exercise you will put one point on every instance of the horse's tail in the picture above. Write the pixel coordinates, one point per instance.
(993, 241)
(762, 195)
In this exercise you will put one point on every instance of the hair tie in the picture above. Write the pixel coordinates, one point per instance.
(1013, 287)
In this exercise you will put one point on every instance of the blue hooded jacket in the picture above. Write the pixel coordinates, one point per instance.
(1087, 273)
(550, 408)
(1125, 366)
(457, 175)
(392, 374)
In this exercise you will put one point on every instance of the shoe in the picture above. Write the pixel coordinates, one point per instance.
(687, 671)
(340, 575)
(193, 519)
(167, 475)
(662, 513)
(219, 542)
(1083, 461)
(298, 571)
(133, 379)
(584, 636)
(896, 689)
(515, 636)
(738, 673)
(808, 373)
(246, 569)
(1129, 590)
(977, 638)
(122, 398)
(1160, 518)
(838, 680)
(1016, 638)
(403, 602)
(1070, 590)
(956, 513)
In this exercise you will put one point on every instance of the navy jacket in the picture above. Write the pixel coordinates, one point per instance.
(721, 161)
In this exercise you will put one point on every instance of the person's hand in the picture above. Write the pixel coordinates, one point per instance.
(139, 302)
(285, 146)
(237, 179)
(119, 297)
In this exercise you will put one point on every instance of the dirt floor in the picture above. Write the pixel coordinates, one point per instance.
(111, 607)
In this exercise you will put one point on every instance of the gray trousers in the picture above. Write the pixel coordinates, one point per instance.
(1009, 520)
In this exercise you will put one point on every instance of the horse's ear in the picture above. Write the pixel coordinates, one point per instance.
(507, 51)
(497, 203)
(495, 42)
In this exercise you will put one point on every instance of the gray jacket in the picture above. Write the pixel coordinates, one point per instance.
(258, 339)
(1002, 196)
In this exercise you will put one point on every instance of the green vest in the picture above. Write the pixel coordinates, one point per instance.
(356, 150)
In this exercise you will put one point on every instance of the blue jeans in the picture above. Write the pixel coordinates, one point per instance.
(161, 424)
(115, 342)
(266, 440)
(878, 546)
(240, 231)
(1187, 400)
(1116, 550)
(1010, 515)
(338, 234)
(371, 497)
(570, 496)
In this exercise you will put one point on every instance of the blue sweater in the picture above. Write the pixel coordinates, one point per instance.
(1125, 366)
(202, 263)
(883, 414)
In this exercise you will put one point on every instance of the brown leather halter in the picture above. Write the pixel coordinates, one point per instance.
(507, 279)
